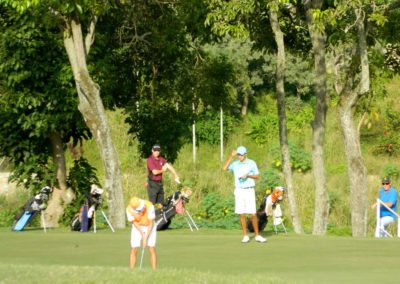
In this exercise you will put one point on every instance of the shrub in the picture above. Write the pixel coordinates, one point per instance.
(392, 171)
(300, 160)
(269, 179)
(208, 127)
(217, 211)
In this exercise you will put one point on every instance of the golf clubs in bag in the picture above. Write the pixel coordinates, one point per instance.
(83, 220)
(31, 208)
(262, 217)
(172, 206)
(269, 207)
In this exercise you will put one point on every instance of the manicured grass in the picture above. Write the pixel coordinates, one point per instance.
(206, 256)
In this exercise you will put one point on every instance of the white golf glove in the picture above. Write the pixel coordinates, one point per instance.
(177, 181)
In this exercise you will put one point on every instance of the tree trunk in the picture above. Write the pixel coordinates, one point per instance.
(318, 40)
(61, 195)
(245, 104)
(92, 109)
(283, 137)
(356, 168)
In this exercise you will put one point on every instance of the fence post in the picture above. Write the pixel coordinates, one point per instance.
(378, 218)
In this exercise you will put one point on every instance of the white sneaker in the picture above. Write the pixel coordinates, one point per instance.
(246, 239)
(260, 239)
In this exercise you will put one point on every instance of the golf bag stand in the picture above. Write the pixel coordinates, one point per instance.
(87, 215)
(31, 208)
(175, 204)
(277, 218)
(190, 220)
(108, 221)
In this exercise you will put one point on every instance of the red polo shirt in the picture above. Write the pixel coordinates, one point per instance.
(154, 163)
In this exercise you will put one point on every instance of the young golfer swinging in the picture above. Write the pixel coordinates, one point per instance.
(141, 214)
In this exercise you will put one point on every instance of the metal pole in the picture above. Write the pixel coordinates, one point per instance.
(221, 134)
(378, 219)
(108, 222)
(194, 136)
(191, 219)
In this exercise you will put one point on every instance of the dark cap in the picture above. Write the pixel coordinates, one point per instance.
(386, 180)
(156, 147)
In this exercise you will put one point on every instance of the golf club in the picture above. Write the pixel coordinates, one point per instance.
(141, 257)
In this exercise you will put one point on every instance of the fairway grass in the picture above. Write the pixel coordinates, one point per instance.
(205, 256)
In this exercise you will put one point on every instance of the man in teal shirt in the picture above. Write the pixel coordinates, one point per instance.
(245, 173)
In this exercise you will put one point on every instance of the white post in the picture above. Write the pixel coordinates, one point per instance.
(194, 137)
(398, 226)
(222, 133)
(378, 218)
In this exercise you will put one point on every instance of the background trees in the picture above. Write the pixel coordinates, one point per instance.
(164, 69)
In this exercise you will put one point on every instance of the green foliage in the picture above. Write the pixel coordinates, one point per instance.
(208, 127)
(300, 160)
(81, 176)
(10, 205)
(159, 122)
(34, 172)
(217, 211)
(265, 127)
(38, 97)
(391, 171)
(270, 178)
(389, 139)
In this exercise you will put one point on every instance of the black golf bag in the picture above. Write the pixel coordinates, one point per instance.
(83, 220)
(169, 209)
(31, 208)
(261, 217)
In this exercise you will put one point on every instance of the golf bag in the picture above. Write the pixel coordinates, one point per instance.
(262, 217)
(172, 206)
(31, 208)
(83, 220)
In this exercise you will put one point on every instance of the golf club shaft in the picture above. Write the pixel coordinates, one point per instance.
(141, 257)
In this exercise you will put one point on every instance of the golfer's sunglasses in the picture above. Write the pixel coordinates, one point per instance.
(385, 183)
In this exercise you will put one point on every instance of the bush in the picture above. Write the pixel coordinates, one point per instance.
(10, 205)
(269, 179)
(391, 171)
(208, 127)
(217, 211)
(300, 160)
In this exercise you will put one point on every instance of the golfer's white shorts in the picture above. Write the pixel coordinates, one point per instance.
(136, 237)
(245, 201)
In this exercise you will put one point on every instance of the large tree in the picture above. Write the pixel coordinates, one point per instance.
(38, 112)
(313, 8)
(248, 18)
(77, 22)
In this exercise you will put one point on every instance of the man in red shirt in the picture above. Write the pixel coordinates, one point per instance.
(156, 165)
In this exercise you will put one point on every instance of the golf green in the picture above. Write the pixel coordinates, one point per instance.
(285, 258)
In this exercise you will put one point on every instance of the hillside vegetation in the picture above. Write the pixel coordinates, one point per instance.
(206, 175)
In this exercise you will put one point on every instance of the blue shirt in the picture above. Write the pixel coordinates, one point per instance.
(247, 167)
(388, 196)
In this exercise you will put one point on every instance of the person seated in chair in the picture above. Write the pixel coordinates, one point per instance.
(388, 195)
